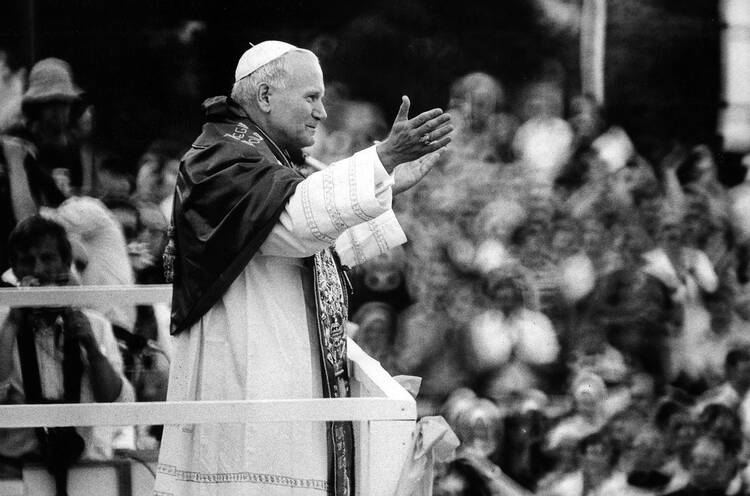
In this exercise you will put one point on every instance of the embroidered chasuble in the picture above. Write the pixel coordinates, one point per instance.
(277, 331)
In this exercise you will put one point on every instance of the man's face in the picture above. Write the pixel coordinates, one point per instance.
(55, 116)
(296, 109)
(41, 264)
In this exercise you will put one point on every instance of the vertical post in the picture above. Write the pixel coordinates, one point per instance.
(592, 47)
(31, 31)
(383, 447)
(734, 118)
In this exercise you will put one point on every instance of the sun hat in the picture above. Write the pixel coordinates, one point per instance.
(51, 80)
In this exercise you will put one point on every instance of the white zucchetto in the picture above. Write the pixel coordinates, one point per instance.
(261, 54)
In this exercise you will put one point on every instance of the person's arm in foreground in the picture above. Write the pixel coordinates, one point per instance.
(106, 383)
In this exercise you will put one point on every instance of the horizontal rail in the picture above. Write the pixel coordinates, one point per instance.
(391, 401)
(203, 412)
(139, 294)
(372, 376)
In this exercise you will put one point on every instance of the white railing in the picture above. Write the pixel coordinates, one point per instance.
(383, 412)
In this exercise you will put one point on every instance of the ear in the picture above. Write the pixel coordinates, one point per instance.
(264, 97)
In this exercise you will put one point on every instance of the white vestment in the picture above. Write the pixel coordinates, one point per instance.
(259, 341)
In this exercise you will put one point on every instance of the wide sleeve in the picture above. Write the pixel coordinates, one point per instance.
(347, 205)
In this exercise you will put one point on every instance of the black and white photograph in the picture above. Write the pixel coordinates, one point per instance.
(384, 248)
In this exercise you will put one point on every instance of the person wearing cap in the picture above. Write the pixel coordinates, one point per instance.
(260, 299)
(41, 159)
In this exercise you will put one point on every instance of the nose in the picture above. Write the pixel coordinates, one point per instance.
(319, 111)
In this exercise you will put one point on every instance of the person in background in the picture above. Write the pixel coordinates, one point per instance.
(644, 460)
(113, 180)
(12, 82)
(99, 239)
(680, 430)
(635, 310)
(596, 476)
(55, 354)
(712, 465)
(732, 392)
(157, 175)
(589, 393)
(484, 130)
(688, 274)
(40, 160)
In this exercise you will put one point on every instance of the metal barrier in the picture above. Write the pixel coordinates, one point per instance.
(383, 412)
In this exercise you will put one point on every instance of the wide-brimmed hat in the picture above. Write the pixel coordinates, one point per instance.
(51, 80)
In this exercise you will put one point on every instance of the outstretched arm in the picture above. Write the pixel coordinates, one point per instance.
(356, 191)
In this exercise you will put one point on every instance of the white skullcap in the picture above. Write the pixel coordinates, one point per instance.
(259, 55)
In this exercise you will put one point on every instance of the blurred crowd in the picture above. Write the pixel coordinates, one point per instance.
(579, 314)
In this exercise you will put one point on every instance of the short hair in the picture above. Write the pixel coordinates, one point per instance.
(273, 74)
(34, 228)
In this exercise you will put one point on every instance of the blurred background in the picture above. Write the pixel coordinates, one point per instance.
(140, 61)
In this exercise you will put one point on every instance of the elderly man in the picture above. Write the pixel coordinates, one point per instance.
(259, 304)
(57, 354)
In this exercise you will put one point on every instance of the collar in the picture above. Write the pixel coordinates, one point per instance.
(223, 109)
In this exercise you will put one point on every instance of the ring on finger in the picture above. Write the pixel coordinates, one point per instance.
(425, 139)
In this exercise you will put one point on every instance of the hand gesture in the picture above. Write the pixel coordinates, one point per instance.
(79, 327)
(408, 174)
(411, 139)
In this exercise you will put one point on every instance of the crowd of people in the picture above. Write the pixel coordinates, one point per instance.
(578, 314)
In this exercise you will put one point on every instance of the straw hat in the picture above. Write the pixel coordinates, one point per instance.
(51, 80)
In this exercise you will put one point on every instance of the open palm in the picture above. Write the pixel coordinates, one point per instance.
(408, 174)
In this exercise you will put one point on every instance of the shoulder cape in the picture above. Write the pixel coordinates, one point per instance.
(232, 186)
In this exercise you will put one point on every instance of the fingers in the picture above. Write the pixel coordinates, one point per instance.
(429, 161)
(403, 110)
(425, 117)
(438, 144)
(431, 124)
(439, 133)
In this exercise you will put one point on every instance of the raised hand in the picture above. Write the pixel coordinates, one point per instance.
(411, 139)
(79, 327)
(408, 174)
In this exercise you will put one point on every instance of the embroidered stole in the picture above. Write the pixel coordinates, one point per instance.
(332, 309)
(332, 304)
